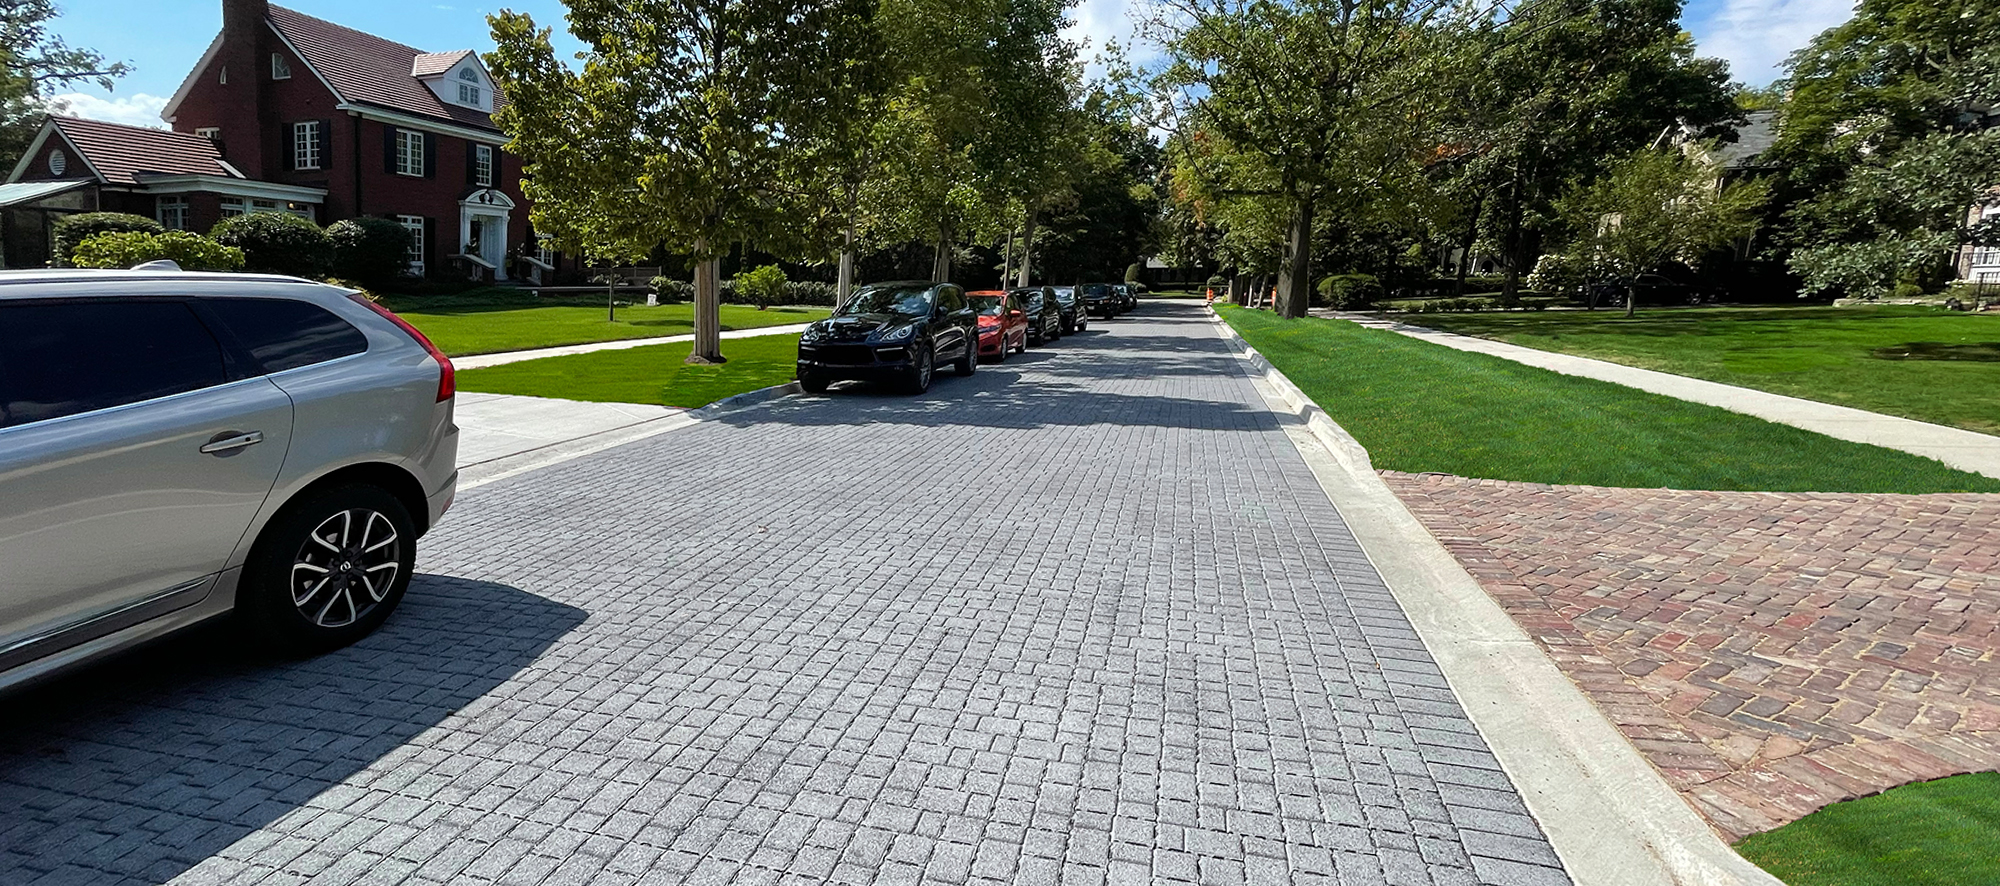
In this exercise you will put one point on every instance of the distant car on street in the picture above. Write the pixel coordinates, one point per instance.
(1003, 323)
(1044, 316)
(1127, 296)
(896, 332)
(1100, 299)
(1075, 318)
(176, 447)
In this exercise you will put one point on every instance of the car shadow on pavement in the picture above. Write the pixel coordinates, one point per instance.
(137, 769)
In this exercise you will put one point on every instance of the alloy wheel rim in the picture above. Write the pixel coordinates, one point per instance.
(924, 370)
(346, 567)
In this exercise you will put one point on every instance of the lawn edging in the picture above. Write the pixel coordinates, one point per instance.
(1612, 819)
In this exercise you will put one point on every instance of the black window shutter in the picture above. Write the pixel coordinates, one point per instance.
(389, 149)
(472, 163)
(326, 144)
(430, 244)
(430, 155)
(291, 150)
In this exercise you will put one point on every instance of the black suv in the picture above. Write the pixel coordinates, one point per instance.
(1099, 299)
(1044, 317)
(892, 331)
(1074, 317)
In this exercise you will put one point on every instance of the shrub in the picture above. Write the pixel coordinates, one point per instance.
(762, 287)
(1218, 282)
(370, 251)
(1133, 272)
(277, 243)
(123, 249)
(1908, 289)
(671, 290)
(1557, 274)
(810, 292)
(1350, 292)
(74, 229)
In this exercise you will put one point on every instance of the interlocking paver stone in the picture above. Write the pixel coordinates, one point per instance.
(1770, 653)
(1083, 618)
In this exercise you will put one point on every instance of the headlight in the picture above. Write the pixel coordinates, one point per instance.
(812, 333)
(899, 334)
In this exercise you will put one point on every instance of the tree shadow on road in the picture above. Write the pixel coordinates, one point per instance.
(137, 769)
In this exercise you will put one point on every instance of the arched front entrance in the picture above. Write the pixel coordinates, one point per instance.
(482, 228)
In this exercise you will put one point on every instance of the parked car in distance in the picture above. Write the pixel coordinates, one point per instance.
(1044, 318)
(1649, 289)
(1128, 297)
(1075, 318)
(895, 332)
(180, 446)
(1003, 323)
(1099, 299)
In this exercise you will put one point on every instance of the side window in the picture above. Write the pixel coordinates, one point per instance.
(74, 357)
(282, 334)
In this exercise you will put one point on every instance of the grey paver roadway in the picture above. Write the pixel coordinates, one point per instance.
(1083, 618)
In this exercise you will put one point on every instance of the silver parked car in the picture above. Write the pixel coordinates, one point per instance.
(178, 446)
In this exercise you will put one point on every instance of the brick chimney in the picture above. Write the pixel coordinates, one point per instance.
(245, 56)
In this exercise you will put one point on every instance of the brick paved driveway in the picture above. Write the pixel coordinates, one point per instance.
(1083, 618)
(1770, 652)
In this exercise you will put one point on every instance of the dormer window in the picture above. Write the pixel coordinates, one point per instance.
(468, 94)
(280, 68)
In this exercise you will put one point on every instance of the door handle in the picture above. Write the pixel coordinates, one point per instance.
(229, 441)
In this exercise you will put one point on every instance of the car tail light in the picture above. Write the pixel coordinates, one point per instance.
(447, 376)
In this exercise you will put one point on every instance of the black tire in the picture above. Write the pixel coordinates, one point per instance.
(812, 383)
(969, 363)
(1023, 348)
(316, 535)
(922, 370)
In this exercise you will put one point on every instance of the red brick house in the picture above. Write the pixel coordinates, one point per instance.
(306, 116)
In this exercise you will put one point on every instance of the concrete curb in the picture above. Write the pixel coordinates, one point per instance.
(1609, 815)
(482, 473)
(502, 358)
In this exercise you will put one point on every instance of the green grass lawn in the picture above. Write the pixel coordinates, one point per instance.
(1914, 361)
(1423, 407)
(485, 321)
(1937, 833)
(650, 374)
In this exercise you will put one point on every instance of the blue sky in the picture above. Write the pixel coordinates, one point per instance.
(164, 38)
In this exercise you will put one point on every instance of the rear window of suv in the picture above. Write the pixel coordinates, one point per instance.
(65, 358)
(281, 334)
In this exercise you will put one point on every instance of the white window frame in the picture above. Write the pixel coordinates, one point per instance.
(305, 145)
(281, 68)
(410, 152)
(1987, 256)
(235, 206)
(171, 212)
(415, 225)
(482, 165)
(212, 133)
(470, 94)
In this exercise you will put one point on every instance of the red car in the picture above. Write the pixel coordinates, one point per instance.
(1002, 323)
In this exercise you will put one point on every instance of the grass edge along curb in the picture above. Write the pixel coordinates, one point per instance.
(649, 374)
(1926, 833)
(1420, 407)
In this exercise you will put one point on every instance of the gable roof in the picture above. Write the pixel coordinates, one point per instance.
(431, 64)
(120, 153)
(1758, 132)
(362, 68)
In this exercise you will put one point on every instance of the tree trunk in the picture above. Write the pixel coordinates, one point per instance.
(1027, 249)
(1295, 277)
(845, 286)
(1512, 288)
(1631, 300)
(707, 310)
(1007, 261)
(941, 263)
(1465, 245)
(1239, 295)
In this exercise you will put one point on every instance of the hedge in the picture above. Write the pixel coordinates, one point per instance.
(370, 251)
(72, 230)
(277, 243)
(124, 249)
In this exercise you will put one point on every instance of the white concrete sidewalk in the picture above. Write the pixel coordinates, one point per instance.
(481, 361)
(495, 426)
(1961, 449)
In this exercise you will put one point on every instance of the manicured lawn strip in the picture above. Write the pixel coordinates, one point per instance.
(1817, 353)
(460, 327)
(1936, 833)
(652, 374)
(1423, 407)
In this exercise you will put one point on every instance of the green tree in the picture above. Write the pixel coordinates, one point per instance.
(1654, 206)
(1887, 141)
(680, 126)
(33, 60)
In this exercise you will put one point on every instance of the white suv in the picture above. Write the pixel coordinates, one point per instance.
(177, 446)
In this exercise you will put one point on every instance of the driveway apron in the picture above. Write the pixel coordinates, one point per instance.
(1085, 617)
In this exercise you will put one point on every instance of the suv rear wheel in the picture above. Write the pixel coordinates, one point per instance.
(327, 570)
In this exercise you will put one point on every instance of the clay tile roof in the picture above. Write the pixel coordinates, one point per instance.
(431, 64)
(367, 69)
(118, 152)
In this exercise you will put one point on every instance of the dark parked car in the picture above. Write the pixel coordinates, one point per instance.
(1099, 299)
(1044, 318)
(1649, 289)
(1128, 297)
(1075, 318)
(894, 332)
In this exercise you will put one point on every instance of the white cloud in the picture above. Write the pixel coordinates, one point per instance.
(1097, 22)
(1757, 35)
(134, 110)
